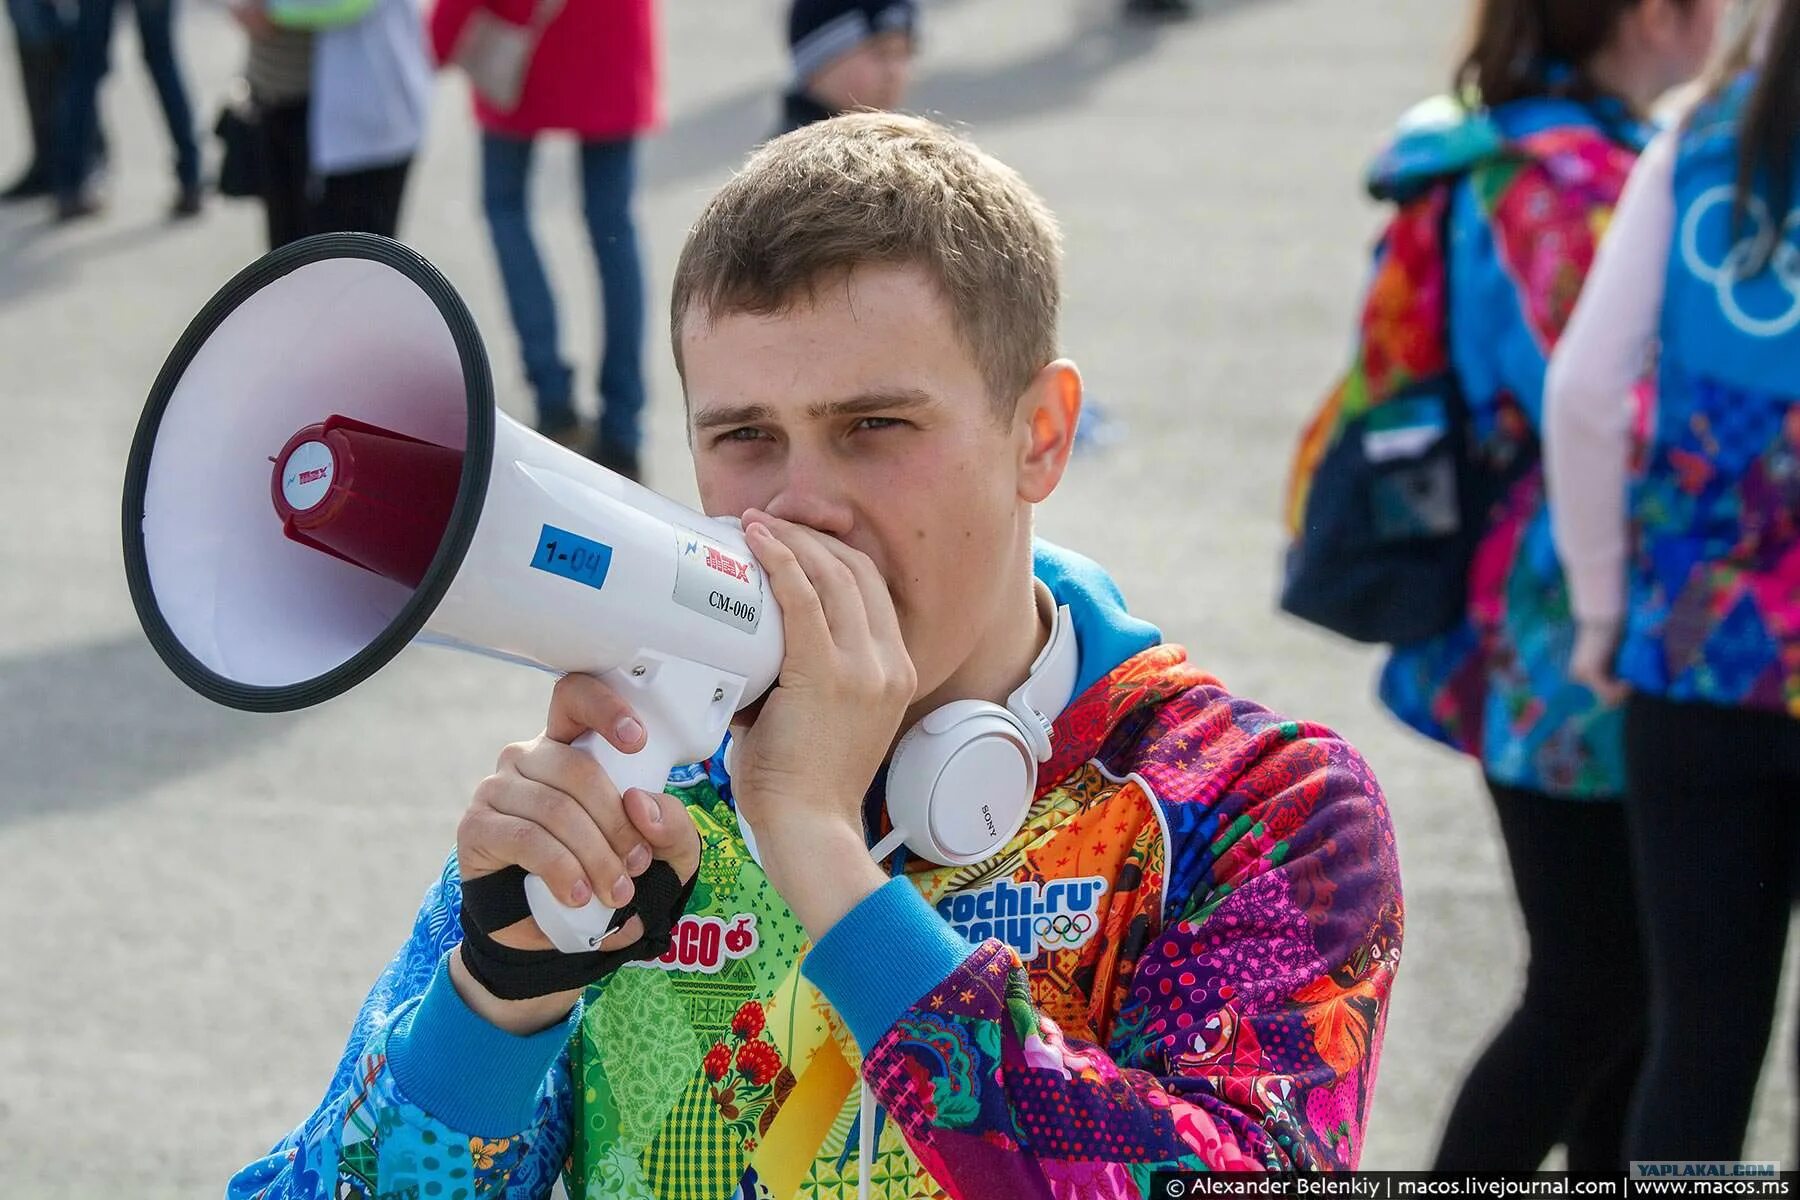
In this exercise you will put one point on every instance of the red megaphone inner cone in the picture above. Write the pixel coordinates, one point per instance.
(372, 497)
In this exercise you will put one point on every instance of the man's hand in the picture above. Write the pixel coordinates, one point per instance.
(1591, 660)
(552, 810)
(801, 769)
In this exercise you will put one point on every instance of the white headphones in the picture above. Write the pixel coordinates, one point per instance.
(961, 780)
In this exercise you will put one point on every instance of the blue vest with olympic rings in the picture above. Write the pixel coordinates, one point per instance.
(1714, 612)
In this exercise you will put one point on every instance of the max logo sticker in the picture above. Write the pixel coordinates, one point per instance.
(1030, 917)
(706, 944)
(716, 582)
(719, 561)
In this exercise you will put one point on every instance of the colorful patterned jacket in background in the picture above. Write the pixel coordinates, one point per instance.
(1183, 960)
(1714, 611)
(1531, 185)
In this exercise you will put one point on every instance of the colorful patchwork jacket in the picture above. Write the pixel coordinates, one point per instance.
(1714, 613)
(1183, 960)
(1534, 184)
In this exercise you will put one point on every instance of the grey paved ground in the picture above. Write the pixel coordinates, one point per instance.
(194, 900)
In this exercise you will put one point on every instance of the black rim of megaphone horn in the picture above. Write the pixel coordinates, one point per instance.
(478, 452)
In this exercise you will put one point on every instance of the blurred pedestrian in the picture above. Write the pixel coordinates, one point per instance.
(41, 37)
(848, 54)
(77, 115)
(1502, 193)
(341, 89)
(592, 72)
(1686, 582)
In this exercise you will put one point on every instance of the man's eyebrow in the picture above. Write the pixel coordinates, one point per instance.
(742, 414)
(886, 400)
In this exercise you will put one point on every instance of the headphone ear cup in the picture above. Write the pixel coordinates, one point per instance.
(960, 783)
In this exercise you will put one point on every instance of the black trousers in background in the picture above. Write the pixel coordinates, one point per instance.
(1715, 820)
(299, 205)
(1561, 1069)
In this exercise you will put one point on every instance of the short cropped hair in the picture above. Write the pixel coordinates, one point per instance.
(878, 188)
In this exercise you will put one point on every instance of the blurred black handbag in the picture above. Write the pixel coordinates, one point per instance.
(239, 130)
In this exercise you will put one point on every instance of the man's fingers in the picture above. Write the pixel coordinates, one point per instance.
(802, 615)
(579, 703)
(831, 578)
(511, 839)
(667, 826)
(564, 818)
(879, 614)
(580, 775)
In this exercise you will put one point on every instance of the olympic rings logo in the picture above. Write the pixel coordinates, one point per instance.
(1062, 929)
(1776, 241)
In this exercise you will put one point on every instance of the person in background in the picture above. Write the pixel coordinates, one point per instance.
(342, 90)
(41, 37)
(1686, 584)
(593, 74)
(77, 105)
(1502, 192)
(848, 54)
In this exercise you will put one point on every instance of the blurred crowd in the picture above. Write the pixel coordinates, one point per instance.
(332, 109)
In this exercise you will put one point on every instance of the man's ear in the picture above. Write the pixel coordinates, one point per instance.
(1047, 414)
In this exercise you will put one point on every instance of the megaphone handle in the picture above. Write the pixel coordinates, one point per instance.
(577, 930)
(684, 708)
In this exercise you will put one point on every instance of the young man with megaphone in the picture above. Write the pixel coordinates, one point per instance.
(1115, 920)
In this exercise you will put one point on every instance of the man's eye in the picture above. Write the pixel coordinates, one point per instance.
(746, 434)
(880, 423)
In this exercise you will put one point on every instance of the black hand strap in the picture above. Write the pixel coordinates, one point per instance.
(492, 902)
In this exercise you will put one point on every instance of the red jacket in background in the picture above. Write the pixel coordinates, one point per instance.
(594, 72)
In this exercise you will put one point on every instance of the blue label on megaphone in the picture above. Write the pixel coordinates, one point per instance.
(572, 556)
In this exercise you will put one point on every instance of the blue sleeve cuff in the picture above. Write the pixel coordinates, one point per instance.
(918, 950)
(466, 1072)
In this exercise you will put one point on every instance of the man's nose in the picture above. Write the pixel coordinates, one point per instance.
(811, 494)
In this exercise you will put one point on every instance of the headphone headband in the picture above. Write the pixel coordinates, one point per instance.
(1050, 686)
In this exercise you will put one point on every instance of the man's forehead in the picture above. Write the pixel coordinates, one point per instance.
(868, 297)
(880, 339)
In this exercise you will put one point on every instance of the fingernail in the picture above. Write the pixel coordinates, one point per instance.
(629, 730)
(621, 891)
(580, 892)
(652, 809)
(637, 860)
(756, 530)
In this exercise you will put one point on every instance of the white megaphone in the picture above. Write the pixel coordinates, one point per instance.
(321, 476)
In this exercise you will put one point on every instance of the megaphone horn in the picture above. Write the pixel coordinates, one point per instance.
(320, 477)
